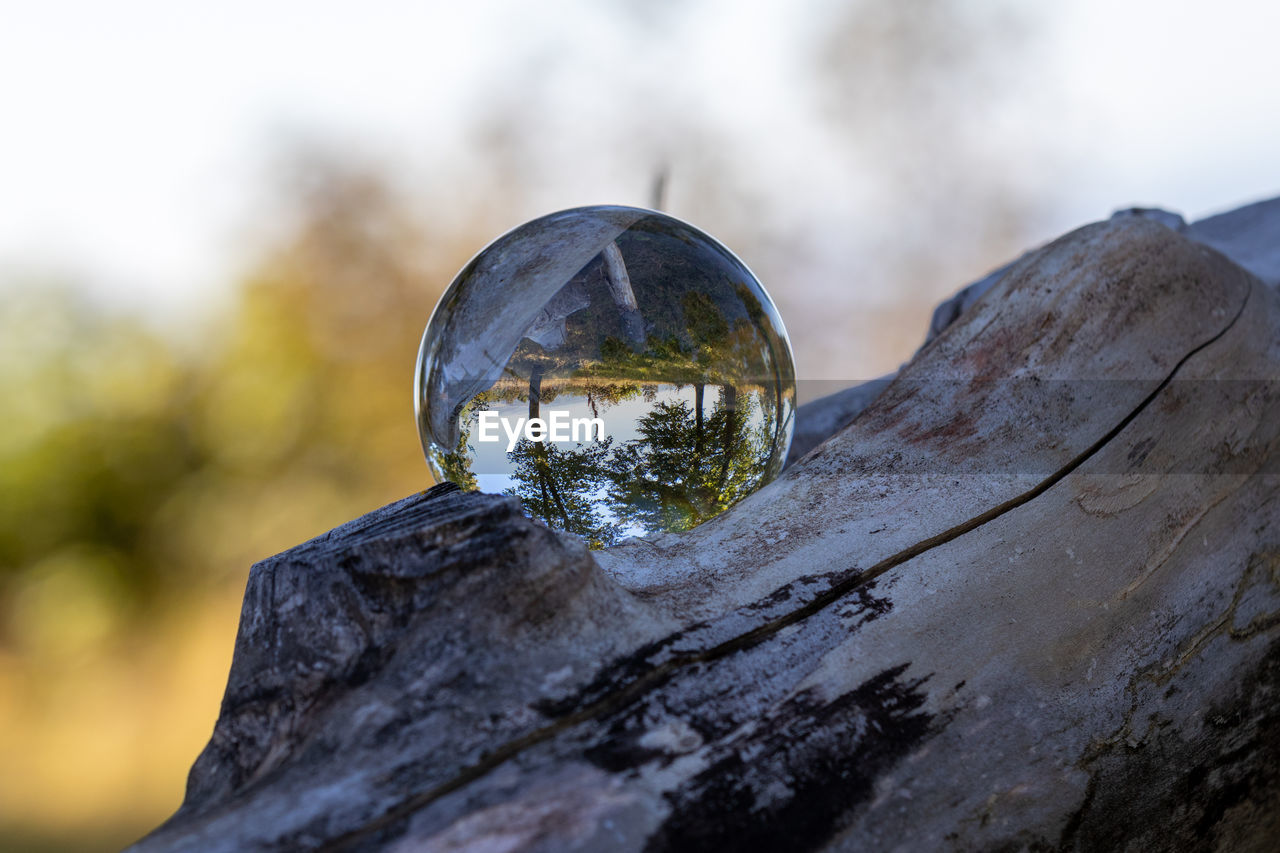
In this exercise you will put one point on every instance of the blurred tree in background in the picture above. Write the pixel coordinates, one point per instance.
(140, 476)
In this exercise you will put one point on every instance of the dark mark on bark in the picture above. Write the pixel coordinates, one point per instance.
(622, 748)
(807, 766)
(622, 671)
(1138, 454)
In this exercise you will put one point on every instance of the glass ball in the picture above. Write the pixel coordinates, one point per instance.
(618, 370)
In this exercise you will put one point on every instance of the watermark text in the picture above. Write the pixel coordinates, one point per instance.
(557, 426)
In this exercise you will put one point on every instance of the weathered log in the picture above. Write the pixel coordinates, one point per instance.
(1028, 598)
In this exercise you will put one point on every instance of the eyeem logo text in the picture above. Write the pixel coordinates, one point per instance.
(557, 426)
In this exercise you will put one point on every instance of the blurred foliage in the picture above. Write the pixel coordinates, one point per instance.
(142, 473)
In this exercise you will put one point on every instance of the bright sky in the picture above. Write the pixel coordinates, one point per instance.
(135, 135)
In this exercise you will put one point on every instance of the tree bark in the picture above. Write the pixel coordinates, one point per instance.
(1029, 598)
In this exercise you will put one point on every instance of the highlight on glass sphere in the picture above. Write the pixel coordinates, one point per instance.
(618, 370)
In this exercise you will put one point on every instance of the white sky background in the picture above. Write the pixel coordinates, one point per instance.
(136, 137)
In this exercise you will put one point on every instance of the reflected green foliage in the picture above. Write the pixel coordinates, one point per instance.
(557, 485)
(456, 464)
(686, 468)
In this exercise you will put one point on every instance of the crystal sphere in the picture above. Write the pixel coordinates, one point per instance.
(618, 370)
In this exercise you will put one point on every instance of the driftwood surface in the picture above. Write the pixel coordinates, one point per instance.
(1028, 598)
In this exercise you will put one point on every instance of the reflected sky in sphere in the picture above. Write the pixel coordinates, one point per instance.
(618, 370)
